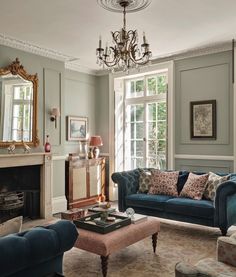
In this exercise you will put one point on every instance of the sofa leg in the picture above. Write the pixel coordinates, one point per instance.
(223, 231)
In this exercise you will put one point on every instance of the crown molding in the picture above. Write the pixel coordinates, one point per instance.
(198, 51)
(78, 67)
(34, 49)
(72, 63)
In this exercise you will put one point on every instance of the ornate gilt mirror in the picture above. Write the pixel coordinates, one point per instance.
(18, 106)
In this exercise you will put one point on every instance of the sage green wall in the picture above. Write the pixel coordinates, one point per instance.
(80, 100)
(207, 77)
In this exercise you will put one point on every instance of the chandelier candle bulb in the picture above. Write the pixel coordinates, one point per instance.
(100, 42)
(144, 38)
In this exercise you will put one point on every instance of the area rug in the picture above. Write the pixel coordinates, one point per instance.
(176, 242)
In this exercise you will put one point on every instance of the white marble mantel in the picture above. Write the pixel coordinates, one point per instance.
(43, 159)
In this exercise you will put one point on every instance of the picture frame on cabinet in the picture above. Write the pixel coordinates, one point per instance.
(77, 128)
(203, 119)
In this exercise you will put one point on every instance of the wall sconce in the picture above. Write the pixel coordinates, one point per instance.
(55, 112)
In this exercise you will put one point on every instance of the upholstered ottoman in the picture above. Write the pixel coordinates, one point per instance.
(106, 244)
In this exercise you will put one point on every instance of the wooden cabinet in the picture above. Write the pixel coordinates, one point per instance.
(85, 181)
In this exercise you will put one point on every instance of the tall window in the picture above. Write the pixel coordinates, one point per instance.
(145, 121)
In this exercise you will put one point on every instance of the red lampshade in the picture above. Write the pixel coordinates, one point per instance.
(96, 141)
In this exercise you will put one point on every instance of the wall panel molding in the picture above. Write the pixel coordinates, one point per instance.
(52, 99)
(204, 157)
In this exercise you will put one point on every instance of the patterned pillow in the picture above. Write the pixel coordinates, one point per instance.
(144, 181)
(164, 182)
(212, 184)
(194, 186)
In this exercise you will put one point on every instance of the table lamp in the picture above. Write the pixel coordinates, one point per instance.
(96, 141)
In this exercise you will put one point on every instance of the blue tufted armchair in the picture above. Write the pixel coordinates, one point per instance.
(37, 252)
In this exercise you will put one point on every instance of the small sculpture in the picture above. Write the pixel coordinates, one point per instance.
(26, 148)
(11, 148)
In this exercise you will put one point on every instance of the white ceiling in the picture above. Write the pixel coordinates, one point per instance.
(72, 27)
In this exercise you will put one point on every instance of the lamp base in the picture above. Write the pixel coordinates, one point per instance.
(96, 152)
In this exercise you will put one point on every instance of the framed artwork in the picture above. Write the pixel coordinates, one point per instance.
(203, 119)
(77, 128)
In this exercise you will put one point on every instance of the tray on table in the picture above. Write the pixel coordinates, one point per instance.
(94, 223)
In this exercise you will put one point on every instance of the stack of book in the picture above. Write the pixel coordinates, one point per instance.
(137, 218)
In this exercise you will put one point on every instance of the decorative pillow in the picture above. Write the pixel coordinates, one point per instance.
(11, 226)
(164, 182)
(144, 180)
(194, 186)
(212, 184)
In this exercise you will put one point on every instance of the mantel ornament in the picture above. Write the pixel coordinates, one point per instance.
(18, 113)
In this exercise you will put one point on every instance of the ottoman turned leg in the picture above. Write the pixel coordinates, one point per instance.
(104, 260)
(154, 242)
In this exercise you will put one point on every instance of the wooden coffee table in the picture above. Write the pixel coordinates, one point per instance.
(106, 244)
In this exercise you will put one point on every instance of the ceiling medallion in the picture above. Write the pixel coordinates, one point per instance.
(116, 5)
(124, 53)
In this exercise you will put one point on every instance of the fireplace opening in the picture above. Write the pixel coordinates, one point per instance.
(20, 192)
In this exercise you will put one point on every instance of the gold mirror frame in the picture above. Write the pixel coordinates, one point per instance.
(15, 68)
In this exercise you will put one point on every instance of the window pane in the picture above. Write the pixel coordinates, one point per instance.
(139, 162)
(152, 86)
(132, 148)
(152, 132)
(161, 130)
(162, 112)
(152, 148)
(152, 110)
(139, 148)
(139, 112)
(161, 84)
(132, 125)
(139, 130)
(161, 146)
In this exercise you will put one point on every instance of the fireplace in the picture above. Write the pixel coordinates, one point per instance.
(25, 186)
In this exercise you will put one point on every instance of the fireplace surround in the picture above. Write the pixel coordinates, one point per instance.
(31, 174)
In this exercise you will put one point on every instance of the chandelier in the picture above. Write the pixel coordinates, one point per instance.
(125, 52)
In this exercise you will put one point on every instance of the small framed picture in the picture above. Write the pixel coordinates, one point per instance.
(77, 128)
(203, 119)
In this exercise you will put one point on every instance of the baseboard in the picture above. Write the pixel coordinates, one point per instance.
(59, 204)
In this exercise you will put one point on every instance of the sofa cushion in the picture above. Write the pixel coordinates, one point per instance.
(212, 184)
(190, 207)
(151, 201)
(195, 186)
(145, 179)
(183, 176)
(11, 226)
(164, 182)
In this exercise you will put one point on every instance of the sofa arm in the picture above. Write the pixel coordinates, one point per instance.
(35, 246)
(226, 250)
(183, 269)
(225, 205)
(128, 183)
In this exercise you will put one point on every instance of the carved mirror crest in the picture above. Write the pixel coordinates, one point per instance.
(18, 106)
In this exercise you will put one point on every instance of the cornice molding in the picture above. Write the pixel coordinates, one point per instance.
(32, 48)
(195, 52)
(72, 63)
(78, 67)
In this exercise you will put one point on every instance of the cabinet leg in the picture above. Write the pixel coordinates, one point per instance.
(154, 242)
(104, 260)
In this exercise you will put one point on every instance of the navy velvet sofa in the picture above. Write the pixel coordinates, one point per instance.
(220, 213)
(37, 252)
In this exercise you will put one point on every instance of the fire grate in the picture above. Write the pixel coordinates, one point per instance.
(12, 200)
